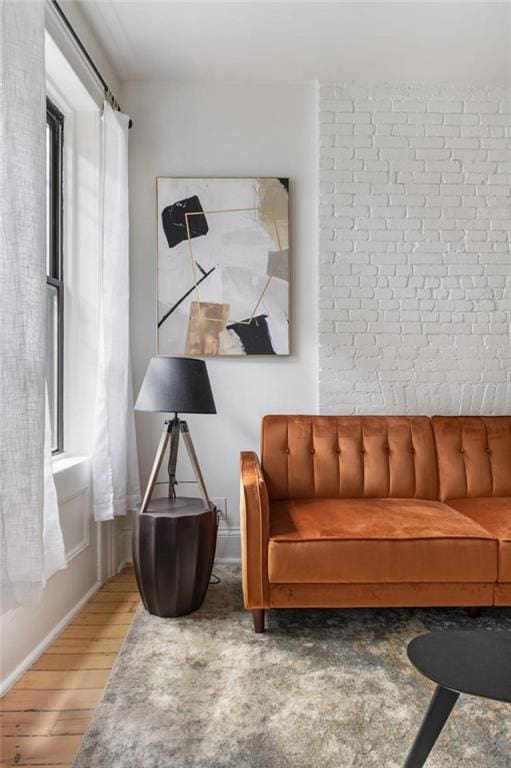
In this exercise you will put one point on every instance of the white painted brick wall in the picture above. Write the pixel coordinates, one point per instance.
(415, 266)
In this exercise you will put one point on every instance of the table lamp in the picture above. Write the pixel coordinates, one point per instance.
(175, 385)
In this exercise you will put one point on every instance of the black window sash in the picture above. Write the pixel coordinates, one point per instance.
(55, 121)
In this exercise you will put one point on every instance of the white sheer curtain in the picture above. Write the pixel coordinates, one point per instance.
(31, 539)
(115, 465)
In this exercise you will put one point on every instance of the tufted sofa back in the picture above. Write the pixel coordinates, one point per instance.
(474, 455)
(349, 457)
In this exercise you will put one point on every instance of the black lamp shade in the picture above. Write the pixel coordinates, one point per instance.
(176, 385)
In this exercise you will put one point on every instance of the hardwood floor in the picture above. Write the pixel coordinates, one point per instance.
(44, 715)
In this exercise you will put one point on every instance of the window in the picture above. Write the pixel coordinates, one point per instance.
(54, 277)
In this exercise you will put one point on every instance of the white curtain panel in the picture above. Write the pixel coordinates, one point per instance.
(31, 545)
(115, 464)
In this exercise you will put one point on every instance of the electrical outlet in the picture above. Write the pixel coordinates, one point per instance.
(220, 503)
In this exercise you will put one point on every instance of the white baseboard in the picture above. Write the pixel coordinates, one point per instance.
(228, 546)
(50, 637)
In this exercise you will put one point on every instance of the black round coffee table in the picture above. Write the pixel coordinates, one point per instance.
(476, 662)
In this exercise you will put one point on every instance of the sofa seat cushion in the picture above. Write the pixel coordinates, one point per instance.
(493, 514)
(375, 541)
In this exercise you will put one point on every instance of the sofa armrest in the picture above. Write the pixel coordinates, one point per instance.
(255, 532)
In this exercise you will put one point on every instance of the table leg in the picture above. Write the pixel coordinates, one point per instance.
(438, 711)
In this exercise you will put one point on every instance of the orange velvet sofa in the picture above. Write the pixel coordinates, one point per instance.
(354, 511)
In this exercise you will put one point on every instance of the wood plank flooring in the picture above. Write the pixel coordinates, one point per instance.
(44, 715)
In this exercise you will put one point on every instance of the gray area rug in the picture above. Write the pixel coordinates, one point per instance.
(320, 688)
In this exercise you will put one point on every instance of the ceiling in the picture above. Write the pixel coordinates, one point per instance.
(243, 42)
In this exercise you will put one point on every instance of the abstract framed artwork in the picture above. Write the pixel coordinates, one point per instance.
(223, 266)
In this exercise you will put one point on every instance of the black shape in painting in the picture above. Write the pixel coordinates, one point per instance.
(285, 184)
(254, 335)
(173, 219)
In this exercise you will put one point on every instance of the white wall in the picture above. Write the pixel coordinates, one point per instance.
(194, 130)
(415, 266)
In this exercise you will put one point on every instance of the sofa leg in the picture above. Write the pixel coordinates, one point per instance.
(258, 616)
(473, 612)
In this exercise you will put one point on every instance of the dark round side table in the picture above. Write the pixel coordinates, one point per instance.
(476, 662)
(174, 544)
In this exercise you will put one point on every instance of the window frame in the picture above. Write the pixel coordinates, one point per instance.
(55, 258)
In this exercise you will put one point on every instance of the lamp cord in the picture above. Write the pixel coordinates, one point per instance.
(173, 483)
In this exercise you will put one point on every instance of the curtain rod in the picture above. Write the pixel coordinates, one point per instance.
(109, 96)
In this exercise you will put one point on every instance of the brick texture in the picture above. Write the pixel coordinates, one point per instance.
(415, 266)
